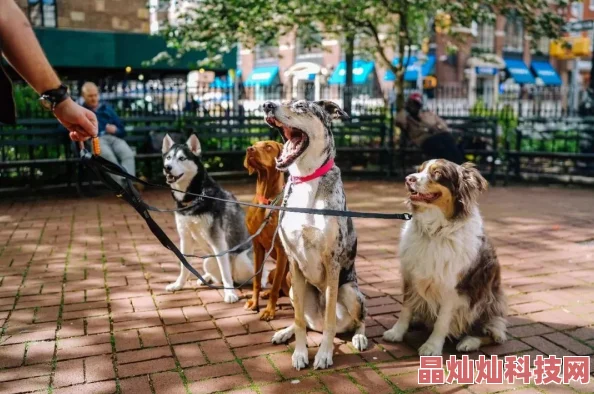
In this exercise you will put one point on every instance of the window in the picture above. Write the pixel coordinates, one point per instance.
(514, 34)
(43, 13)
(485, 38)
(543, 45)
(266, 54)
(313, 53)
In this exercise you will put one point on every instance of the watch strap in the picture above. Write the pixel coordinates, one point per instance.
(55, 96)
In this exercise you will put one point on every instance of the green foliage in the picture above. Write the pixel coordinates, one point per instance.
(26, 102)
(380, 26)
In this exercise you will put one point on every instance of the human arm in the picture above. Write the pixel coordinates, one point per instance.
(23, 52)
(118, 128)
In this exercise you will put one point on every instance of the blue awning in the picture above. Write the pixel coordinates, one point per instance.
(547, 73)
(519, 72)
(224, 82)
(361, 71)
(411, 70)
(262, 76)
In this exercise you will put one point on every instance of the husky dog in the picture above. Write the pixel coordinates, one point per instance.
(213, 226)
(321, 249)
(450, 271)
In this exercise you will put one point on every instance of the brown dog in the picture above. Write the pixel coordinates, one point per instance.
(260, 158)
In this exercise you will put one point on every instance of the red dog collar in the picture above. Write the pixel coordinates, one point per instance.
(323, 170)
(263, 200)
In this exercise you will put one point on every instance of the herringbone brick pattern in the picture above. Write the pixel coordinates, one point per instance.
(83, 307)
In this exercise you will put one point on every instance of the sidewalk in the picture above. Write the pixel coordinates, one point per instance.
(83, 307)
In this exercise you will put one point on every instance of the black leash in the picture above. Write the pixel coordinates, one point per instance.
(101, 167)
(101, 164)
(129, 194)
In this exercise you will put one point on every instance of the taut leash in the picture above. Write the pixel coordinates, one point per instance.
(102, 167)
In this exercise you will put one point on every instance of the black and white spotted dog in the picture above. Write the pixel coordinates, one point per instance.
(321, 249)
(212, 226)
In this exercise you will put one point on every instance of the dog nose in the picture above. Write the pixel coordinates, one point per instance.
(411, 179)
(168, 168)
(269, 106)
(251, 149)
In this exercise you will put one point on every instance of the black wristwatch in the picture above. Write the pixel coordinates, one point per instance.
(53, 97)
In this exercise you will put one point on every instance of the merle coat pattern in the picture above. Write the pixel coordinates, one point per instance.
(321, 249)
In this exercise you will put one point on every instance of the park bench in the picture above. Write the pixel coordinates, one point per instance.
(551, 146)
(478, 136)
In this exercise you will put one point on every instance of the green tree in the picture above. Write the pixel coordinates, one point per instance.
(381, 27)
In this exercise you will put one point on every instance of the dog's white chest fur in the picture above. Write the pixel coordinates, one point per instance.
(199, 227)
(306, 237)
(434, 252)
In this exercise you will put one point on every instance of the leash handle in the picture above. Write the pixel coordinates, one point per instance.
(96, 146)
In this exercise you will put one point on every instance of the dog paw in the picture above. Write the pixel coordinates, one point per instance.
(299, 359)
(282, 336)
(230, 297)
(265, 294)
(499, 336)
(360, 342)
(468, 344)
(267, 314)
(323, 359)
(174, 286)
(394, 334)
(251, 304)
(430, 349)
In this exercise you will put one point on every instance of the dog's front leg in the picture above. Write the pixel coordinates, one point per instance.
(230, 295)
(259, 252)
(279, 277)
(300, 356)
(186, 246)
(324, 355)
(434, 345)
(396, 333)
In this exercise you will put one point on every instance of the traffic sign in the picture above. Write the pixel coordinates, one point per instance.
(579, 26)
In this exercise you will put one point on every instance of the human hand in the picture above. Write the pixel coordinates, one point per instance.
(80, 122)
(111, 129)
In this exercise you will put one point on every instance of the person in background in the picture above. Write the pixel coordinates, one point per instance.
(111, 130)
(428, 131)
(20, 47)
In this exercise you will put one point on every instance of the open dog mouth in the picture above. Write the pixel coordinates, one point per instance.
(415, 196)
(296, 143)
(169, 178)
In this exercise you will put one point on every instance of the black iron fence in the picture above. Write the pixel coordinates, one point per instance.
(545, 139)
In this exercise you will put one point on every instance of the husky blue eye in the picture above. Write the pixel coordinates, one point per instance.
(168, 158)
(182, 159)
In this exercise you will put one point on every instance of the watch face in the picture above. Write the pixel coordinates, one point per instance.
(45, 103)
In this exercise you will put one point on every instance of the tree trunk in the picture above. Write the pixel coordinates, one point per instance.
(347, 94)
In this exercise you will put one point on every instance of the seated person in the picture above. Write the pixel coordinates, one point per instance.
(428, 131)
(111, 131)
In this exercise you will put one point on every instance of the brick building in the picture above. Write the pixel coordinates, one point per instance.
(98, 39)
(490, 55)
(105, 15)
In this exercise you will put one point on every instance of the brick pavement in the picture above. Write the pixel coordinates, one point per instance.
(83, 307)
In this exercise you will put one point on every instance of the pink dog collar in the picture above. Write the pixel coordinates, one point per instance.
(323, 170)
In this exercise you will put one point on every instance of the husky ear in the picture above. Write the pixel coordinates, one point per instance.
(332, 109)
(167, 144)
(194, 145)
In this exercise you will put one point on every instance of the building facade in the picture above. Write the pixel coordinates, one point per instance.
(102, 15)
(486, 57)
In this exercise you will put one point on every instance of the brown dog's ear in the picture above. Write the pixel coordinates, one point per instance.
(332, 109)
(280, 147)
(248, 166)
(473, 178)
